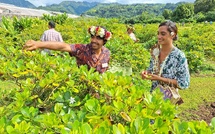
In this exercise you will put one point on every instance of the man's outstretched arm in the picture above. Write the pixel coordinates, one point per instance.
(31, 45)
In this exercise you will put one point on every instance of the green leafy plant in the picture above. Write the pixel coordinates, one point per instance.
(54, 95)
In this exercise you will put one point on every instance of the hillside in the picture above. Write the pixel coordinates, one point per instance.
(128, 11)
(19, 3)
(109, 10)
(70, 7)
(11, 10)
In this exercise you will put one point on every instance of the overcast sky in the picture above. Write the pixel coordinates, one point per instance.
(45, 2)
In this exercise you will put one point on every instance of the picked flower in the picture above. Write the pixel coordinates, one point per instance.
(156, 52)
(72, 100)
(100, 31)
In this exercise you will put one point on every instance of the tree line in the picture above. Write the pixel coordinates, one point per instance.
(199, 11)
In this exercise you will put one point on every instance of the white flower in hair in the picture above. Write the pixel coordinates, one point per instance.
(101, 32)
(92, 30)
(172, 33)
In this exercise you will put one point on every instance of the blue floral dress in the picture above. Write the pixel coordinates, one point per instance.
(175, 67)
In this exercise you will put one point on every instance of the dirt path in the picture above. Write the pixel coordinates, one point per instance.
(205, 112)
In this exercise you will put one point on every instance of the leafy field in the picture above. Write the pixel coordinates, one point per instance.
(50, 94)
(199, 95)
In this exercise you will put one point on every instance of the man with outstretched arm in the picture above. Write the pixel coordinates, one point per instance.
(94, 54)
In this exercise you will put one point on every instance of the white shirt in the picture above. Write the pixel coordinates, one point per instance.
(133, 37)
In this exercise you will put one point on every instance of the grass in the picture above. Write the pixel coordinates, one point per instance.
(201, 91)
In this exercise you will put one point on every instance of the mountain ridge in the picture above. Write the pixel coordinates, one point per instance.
(106, 10)
(70, 7)
(19, 3)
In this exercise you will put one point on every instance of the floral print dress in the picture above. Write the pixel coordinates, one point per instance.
(174, 67)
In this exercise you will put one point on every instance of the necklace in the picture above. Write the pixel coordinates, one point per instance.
(164, 62)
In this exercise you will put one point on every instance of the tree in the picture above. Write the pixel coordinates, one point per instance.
(183, 11)
(204, 6)
(210, 16)
(146, 16)
(167, 14)
(199, 17)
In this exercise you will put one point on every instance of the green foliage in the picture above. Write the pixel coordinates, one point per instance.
(213, 122)
(71, 7)
(22, 23)
(131, 14)
(167, 13)
(183, 11)
(7, 25)
(139, 13)
(204, 6)
(202, 17)
(210, 16)
(53, 95)
(128, 11)
(199, 17)
(19, 3)
(195, 60)
(197, 41)
(59, 18)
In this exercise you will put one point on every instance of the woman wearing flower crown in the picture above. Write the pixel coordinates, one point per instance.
(168, 64)
(93, 55)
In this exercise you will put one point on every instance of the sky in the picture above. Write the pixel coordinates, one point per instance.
(48, 2)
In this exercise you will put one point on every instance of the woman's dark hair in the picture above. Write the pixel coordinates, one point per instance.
(171, 27)
(52, 24)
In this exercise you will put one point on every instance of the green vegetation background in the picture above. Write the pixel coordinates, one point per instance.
(37, 89)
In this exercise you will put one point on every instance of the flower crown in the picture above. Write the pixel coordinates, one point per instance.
(99, 31)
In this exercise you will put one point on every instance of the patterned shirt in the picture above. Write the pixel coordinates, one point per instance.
(176, 67)
(51, 35)
(85, 56)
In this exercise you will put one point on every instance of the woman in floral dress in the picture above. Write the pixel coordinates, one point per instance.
(168, 64)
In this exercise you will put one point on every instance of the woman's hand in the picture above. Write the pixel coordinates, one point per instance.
(145, 75)
(149, 76)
